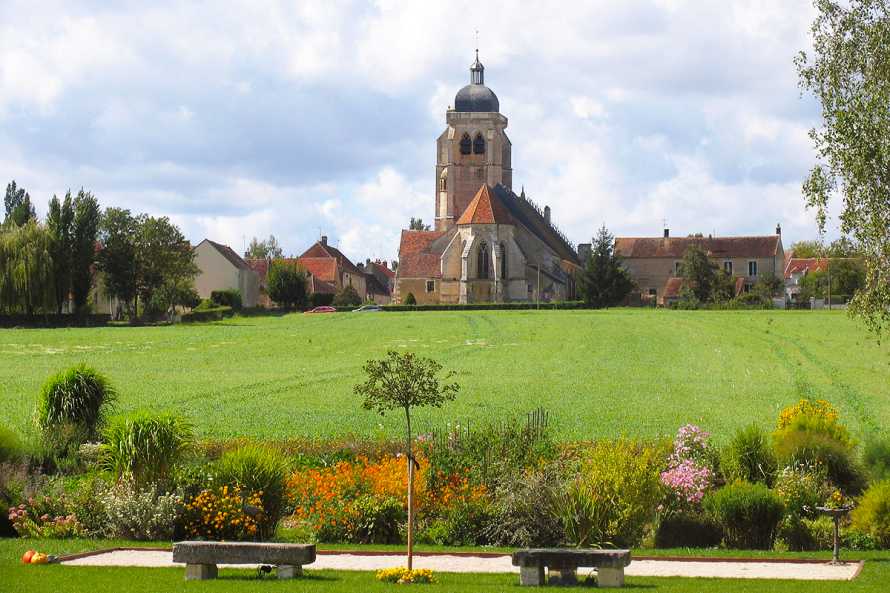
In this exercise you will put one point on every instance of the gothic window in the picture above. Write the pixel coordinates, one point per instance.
(466, 144)
(482, 261)
(503, 262)
(479, 144)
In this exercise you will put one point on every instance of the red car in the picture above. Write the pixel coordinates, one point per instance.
(323, 309)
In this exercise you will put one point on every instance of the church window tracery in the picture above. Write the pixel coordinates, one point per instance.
(503, 262)
(466, 144)
(479, 144)
(482, 261)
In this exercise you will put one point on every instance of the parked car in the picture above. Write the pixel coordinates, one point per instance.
(323, 309)
(369, 308)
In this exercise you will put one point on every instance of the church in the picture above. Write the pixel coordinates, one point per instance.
(489, 244)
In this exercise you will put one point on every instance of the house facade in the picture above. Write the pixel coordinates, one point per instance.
(654, 262)
(489, 244)
(223, 269)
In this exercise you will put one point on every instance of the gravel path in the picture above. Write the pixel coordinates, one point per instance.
(501, 564)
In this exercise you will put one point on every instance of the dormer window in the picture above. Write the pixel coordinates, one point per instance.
(466, 145)
(479, 144)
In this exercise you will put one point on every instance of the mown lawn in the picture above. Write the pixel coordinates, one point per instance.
(599, 373)
(15, 578)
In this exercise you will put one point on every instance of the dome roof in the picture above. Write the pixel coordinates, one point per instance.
(476, 97)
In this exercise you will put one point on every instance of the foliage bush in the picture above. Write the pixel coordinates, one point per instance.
(85, 499)
(810, 432)
(145, 447)
(377, 520)
(347, 296)
(226, 298)
(410, 299)
(320, 299)
(615, 495)
(688, 530)
(11, 449)
(749, 457)
(140, 514)
(688, 476)
(286, 284)
(223, 513)
(78, 398)
(749, 515)
(802, 488)
(207, 314)
(522, 508)
(257, 469)
(872, 515)
(44, 517)
(875, 458)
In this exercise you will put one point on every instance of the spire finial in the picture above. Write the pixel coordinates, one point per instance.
(477, 75)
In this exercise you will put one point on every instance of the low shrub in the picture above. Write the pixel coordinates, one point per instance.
(140, 514)
(86, 500)
(79, 397)
(145, 447)
(749, 457)
(223, 513)
(462, 524)
(749, 515)
(404, 576)
(810, 432)
(209, 314)
(320, 299)
(347, 296)
(802, 488)
(872, 515)
(226, 298)
(688, 530)
(377, 520)
(615, 495)
(410, 299)
(688, 476)
(44, 517)
(257, 469)
(875, 458)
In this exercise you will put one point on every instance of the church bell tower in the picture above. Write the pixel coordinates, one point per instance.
(472, 151)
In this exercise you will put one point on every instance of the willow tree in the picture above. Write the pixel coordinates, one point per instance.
(403, 382)
(849, 73)
(26, 269)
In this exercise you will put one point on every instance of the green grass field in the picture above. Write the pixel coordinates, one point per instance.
(599, 373)
(15, 577)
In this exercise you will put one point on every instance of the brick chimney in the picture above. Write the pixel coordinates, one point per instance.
(547, 214)
(324, 239)
(667, 233)
(778, 228)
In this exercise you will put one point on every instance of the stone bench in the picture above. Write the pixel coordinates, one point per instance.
(201, 558)
(609, 565)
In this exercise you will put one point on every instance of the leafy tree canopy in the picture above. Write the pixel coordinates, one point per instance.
(847, 71)
(604, 282)
(265, 249)
(286, 284)
(416, 224)
(19, 208)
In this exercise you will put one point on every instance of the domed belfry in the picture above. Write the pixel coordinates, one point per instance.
(472, 151)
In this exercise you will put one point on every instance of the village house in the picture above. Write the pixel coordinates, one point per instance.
(654, 262)
(489, 244)
(380, 280)
(220, 268)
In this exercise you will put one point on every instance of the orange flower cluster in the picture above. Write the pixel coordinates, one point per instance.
(325, 497)
(806, 407)
(221, 514)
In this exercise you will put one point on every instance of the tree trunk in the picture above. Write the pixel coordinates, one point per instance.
(410, 494)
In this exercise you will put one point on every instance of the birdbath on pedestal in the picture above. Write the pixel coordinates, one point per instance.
(836, 514)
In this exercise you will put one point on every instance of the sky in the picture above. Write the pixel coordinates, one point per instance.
(299, 119)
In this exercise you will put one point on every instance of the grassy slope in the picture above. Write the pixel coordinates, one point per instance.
(15, 577)
(636, 372)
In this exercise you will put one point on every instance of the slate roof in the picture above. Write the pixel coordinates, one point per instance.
(675, 247)
(486, 207)
(526, 213)
(420, 253)
(228, 253)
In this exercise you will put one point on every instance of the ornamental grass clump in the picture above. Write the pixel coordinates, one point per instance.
(145, 447)
(72, 407)
(749, 457)
(257, 469)
(748, 513)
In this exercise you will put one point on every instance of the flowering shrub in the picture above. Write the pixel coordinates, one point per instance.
(44, 517)
(223, 513)
(687, 478)
(820, 409)
(403, 576)
(363, 501)
(140, 514)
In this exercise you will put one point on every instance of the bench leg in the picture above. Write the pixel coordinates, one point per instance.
(566, 575)
(531, 576)
(610, 577)
(289, 571)
(200, 572)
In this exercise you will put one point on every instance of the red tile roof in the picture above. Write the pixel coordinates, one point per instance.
(416, 258)
(486, 208)
(804, 265)
(260, 266)
(384, 269)
(675, 247)
(319, 249)
(323, 268)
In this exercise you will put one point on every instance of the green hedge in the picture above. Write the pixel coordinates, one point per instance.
(488, 306)
(214, 314)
